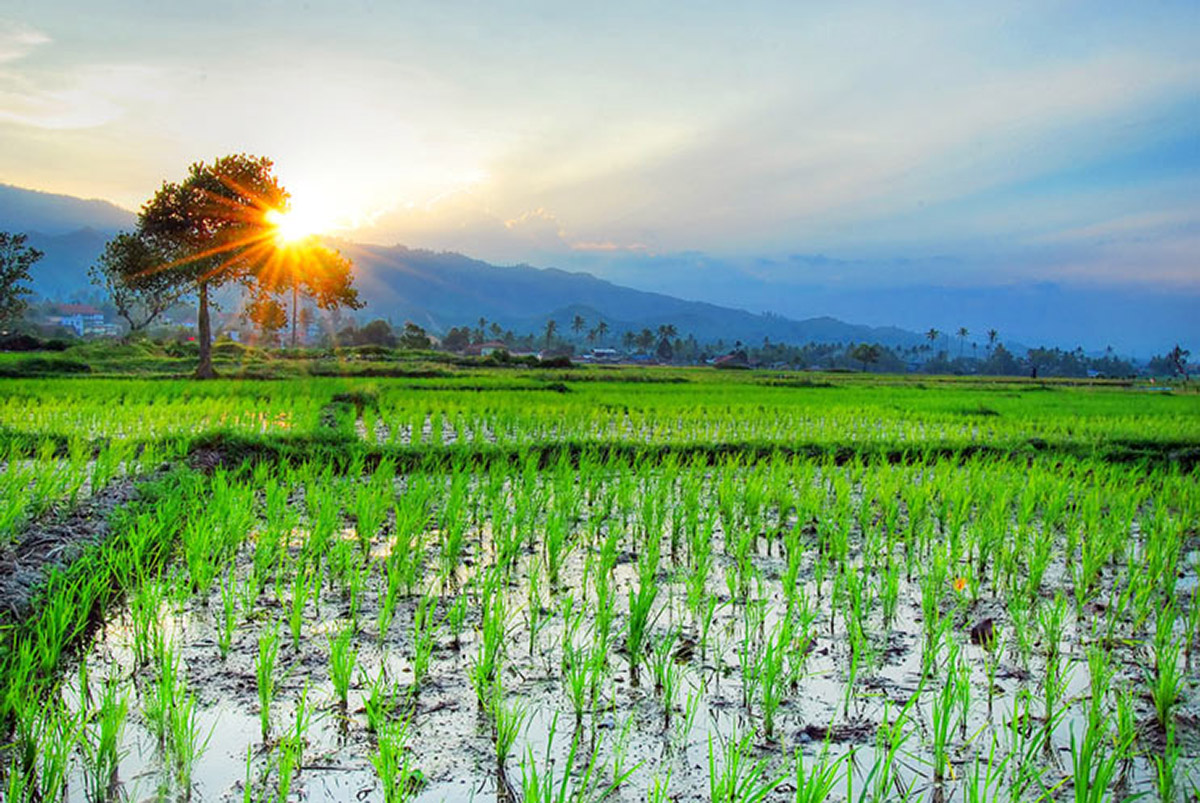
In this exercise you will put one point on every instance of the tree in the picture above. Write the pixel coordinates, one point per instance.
(377, 333)
(667, 331)
(16, 258)
(215, 228)
(457, 339)
(551, 328)
(577, 324)
(962, 339)
(992, 335)
(128, 271)
(645, 340)
(866, 354)
(414, 337)
(601, 330)
(664, 352)
(1179, 359)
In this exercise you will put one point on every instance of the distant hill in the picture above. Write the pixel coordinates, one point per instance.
(62, 271)
(440, 290)
(23, 210)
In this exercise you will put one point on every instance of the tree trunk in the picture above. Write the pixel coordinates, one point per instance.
(204, 331)
(295, 298)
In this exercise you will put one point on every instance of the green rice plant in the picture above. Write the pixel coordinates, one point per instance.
(144, 608)
(890, 738)
(342, 657)
(357, 577)
(287, 767)
(393, 764)
(641, 605)
(264, 672)
(161, 701)
(1025, 746)
(578, 784)
(299, 601)
(507, 721)
(227, 618)
(657, 792)
(485, 668)
(1093, 768)
(890, 593)
(1166, 682)
(380, 701)
(185, 743)
(1166, 773)
(773, 680)
(666, 674)
(424, 637)
(102, 739)
(735, 777)
(985, 781)
(817, 784)
(943, 717)
(370, 509)
(576, 663)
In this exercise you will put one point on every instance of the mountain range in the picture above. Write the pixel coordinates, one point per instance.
(435, 290)
(439, 290)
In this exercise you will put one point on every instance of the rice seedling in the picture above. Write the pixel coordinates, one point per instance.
(424, 637)
(641, 605)
(735, 777)
(576, 785)
(943, 716)
(102, 739)
(342, 657)
(817, 784)
(400, 779)
(227, 618)
(264, 672)
(380, 702)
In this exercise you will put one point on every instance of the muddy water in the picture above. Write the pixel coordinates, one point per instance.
(450, 738)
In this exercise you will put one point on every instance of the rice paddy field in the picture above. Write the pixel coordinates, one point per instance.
(598, 585)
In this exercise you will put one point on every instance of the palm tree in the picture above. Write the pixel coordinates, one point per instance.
(601, 330)
(551, 328)
(629, 339)
(577, 324)
(667, 331)
(645, 339)
(932, 335)
(962, 338)
(497, 330)
(992, 335)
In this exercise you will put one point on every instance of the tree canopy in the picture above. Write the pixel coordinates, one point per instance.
(16, 258)
(215, 228)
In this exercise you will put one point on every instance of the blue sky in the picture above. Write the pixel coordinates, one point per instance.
(936, 143)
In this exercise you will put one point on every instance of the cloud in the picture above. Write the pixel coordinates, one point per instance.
(17, 40)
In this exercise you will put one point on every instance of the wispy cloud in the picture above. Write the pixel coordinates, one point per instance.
(17, 40)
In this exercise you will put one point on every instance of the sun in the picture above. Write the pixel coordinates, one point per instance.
(293, 226)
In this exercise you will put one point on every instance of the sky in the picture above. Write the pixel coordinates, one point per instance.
(707, 149)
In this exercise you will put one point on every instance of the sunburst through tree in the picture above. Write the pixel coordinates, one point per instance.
(227, 223)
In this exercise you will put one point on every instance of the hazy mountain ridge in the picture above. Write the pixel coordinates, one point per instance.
(48, 213)
(440, 290)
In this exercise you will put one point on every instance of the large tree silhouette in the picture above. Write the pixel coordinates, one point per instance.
(214, 228)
